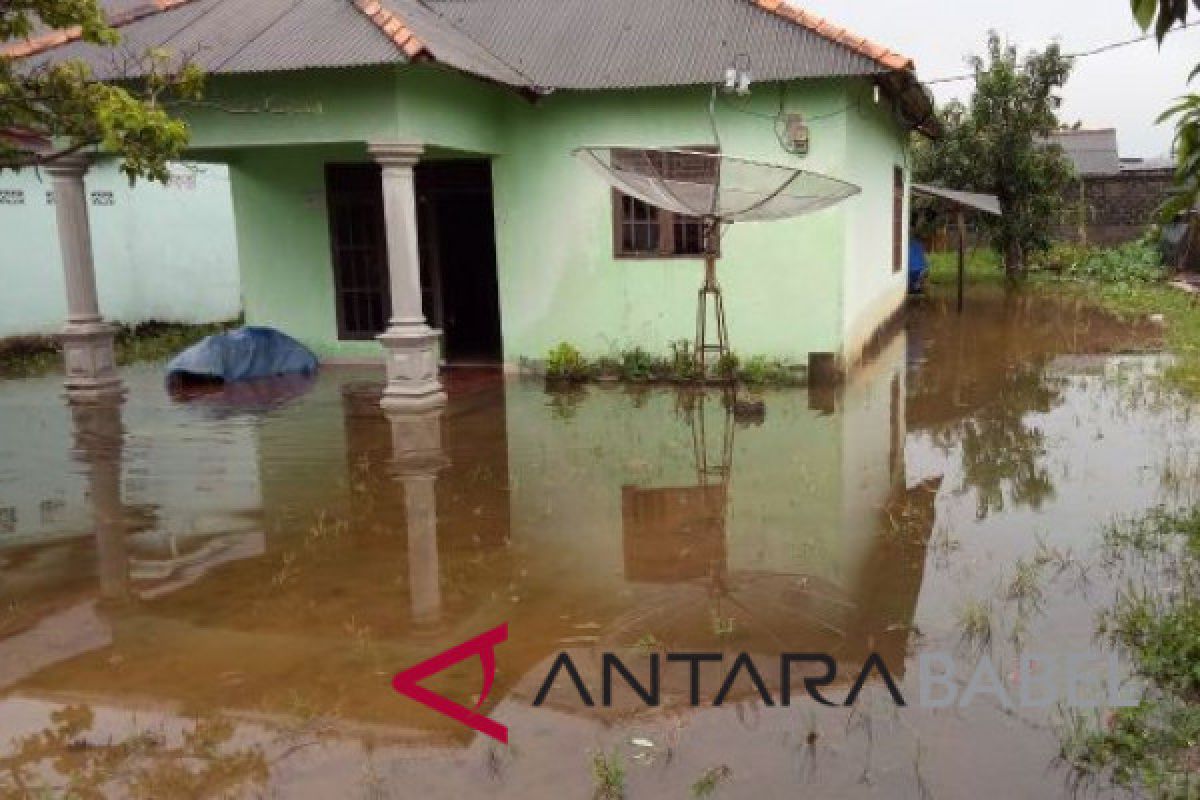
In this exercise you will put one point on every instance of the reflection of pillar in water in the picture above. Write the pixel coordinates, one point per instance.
(417, 457)
(98, 439)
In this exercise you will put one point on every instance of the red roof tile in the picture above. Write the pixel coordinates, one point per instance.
(54, 38)
(835, 33)
(392, 26)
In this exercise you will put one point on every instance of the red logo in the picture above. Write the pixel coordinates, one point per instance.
(484, 646)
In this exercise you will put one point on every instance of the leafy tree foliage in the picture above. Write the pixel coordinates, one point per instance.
(995, 144)
(1162, 15)
(62, 103)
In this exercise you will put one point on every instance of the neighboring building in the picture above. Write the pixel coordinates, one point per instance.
(1091, 152)
(1117, 196)
(165, 253)
(520, 246)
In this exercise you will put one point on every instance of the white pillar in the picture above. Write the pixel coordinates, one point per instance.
(417, 457)
(99, 440)
(410, 345)
(87, 340)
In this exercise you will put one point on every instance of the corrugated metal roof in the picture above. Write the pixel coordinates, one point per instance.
(536, 45)
(609, 44)
(237, 36)
(1093, 152)
(987, 203)
(546, 44)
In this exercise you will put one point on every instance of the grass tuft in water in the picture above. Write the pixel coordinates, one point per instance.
(975, 624)
(608, 776)
(1152, 748)
(1026, 585)
(708, 783)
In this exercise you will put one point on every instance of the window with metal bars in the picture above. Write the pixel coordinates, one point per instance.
(359, 249)
(641, 230)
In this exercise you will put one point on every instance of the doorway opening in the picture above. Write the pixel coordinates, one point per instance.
(455, 217)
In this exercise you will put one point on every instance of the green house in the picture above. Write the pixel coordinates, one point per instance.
(402, 172)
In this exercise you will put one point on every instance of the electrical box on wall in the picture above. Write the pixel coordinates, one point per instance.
(796, 136)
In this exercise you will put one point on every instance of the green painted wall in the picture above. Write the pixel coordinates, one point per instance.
(427, 104)
(792, 287)
(283, 243)
(873, 289)
(559, 279)
(277, 161)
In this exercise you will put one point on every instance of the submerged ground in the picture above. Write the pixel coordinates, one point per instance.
(211, 597)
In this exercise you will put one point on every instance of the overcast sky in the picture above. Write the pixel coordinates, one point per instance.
(1124, 89)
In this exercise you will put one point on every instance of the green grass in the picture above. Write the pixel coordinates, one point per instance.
(30, 356)
(983, 267)
(608, 776)
(1153, 746)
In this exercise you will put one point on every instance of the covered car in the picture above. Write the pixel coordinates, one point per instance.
(241, 355)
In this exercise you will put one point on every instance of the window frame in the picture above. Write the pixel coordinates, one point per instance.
(899, 185)
(665, 220)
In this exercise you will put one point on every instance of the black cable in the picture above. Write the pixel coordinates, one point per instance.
(1095, 51)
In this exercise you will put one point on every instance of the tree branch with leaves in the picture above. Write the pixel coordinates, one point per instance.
(1162, 16)
(996, 144)
(62, 103)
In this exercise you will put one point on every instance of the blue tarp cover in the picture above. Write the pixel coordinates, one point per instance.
(918, 264)
(243, 354)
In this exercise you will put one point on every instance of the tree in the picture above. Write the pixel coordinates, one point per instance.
(1185, 194)
(996, 145)
(62, 104)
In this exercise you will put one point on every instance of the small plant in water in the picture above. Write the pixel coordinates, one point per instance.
(722, 626)
(637, 366)
(608, 776)
(975, 624)
(1026, 585)
(647, 643)
(761, 371)
(566, 364)
(683, 361)
(712, 778)
(727, 367)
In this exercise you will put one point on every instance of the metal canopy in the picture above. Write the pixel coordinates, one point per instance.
(962, 202)
(971, 201)
(715, 187)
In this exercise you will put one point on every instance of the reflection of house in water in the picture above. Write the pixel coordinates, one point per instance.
(592, 528)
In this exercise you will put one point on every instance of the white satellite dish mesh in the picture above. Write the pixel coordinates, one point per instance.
(723, 188)
(720, 190)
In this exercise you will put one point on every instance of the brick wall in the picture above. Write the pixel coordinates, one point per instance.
(1117, 208)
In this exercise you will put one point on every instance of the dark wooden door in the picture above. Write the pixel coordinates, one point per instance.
(359, 249)
(458, 255)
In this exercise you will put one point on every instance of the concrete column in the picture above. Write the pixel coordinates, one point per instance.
(99, 440)
(417, 457)
(87, 340)
(411, 345)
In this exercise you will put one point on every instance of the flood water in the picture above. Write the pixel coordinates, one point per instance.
(211, 598)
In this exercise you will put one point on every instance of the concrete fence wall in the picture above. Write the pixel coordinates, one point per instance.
(165, 253)
(1116, 208)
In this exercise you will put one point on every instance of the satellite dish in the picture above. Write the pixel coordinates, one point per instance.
(719, 190)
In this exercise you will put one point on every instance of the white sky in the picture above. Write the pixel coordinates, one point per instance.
(1125, 89)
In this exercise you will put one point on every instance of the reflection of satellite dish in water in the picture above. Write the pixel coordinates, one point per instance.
(719, 190)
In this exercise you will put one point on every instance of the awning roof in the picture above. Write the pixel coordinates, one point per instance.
(987, 203)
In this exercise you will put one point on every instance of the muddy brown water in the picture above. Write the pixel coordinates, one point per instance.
(211, 597)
